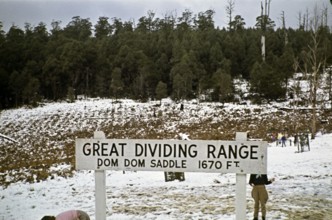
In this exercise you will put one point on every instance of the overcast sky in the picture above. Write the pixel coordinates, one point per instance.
(19, 12)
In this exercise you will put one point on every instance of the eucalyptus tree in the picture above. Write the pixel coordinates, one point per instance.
(35, 52)
(103, 28)
(13, 63)
(182, 79)
(13, 48)
(229, 11)
(55, 79)
(253, 52)
(77, 62)
(165, 40)
(238, 23)
(55, 82)
(264, 23)
(125, 60)
(161, 90)
(223, 86)
(117, 86)
(265, 83)
(285, 63)
(79, 28)
(207, 52)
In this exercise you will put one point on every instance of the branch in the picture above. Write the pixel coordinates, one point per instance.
(8, 138)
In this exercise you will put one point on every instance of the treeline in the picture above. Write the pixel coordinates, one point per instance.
(182, 57)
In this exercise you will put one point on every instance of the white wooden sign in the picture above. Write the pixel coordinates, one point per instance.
(240, 157)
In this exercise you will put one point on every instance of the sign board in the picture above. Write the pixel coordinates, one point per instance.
(172, 155)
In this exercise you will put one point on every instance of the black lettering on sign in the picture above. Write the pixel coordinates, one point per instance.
(232, 152)
(165, 150)
(87, 149)
(211, 150)
(248, 152)
(168, 164)
(103, 149)
(253, 152)
(243, 152)
(107, 162)
(134, 163)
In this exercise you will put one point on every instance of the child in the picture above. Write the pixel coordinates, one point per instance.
(69, 215)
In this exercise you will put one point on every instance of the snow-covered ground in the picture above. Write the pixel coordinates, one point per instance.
(302, 190)
(37, 177)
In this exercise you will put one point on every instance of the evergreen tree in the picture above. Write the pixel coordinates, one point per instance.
(183, 72)
(264, 23)
(4, 89)
(238, 23)
(103, 28)
(266, 83)
(187, 53)
(226, 87)
(30, 92)
(161, 90)
(117, 85)
(53, 79)
(71, 95)
(222, 86)
(78, 28)
(178, 88)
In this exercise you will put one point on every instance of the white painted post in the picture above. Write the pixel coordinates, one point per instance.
(241, 179)
(100, 186)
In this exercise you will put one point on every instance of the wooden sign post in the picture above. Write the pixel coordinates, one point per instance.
(240, 156)
(100, 186)
(241, 179)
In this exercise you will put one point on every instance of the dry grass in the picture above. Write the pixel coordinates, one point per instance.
(49, 141)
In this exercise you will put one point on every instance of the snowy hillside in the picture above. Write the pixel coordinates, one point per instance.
(46, 134)
(38, 177)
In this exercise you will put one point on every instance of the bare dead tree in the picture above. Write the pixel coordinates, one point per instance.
(265, 13)
(313, 61)
(306, 20)
(229, 11)
(324, 16)
(296, 91)
(299, 17)
(283, 20)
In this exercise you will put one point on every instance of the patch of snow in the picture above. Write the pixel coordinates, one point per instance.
(301, 179)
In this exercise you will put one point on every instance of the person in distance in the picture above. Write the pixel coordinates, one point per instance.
(259, 193)
(69, 215)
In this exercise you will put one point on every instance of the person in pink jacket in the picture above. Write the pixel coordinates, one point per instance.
(69, 215)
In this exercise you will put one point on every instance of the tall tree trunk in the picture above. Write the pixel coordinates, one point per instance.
(314, 104)
(265, 13)
(263, 47)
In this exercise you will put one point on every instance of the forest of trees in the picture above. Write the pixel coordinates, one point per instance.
(181, 57)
